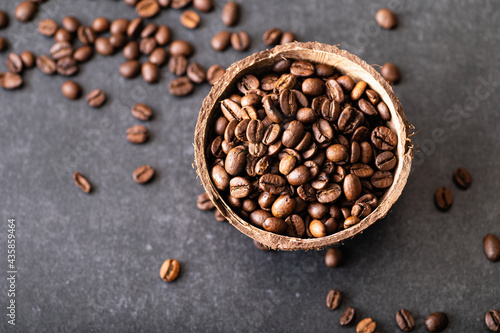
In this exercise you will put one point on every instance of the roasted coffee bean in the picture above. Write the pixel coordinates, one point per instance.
(83, 53)
(299, 176)
(219, 217)
(82, 182)
(143, 174)
(240, 41)
(271, 110)
(272, 183)
(492, 320)
(254, 131)
(288, 102)
(491, 246)
(275, 225)
(96, 98)
(386, 161)
(119, 26)
(163, 35)
(247, 83)
(180, 86)
(4, 19)
(334, 91)
(86, 35)
(159, 56)
(329, 193)
(383, 111)
(358, 90)
(366, 152)
(405, 320)
(47, 27)
(313, 86)
(443, 198)
(230, 13)
(372, 96)
(100, 25)
(390, 72)
(317, 229)
(272, 36)
(203, 5)
(60, 50)
(149, 30)
(235, 161)
(63, 35)
(9, 80)
(220, 125)
(46, 64)
(347, 83)
(177, 65)
(283, 206)
(462, 178)
(147, 8)
(295, 226)
(386, 18)
(302, 68)
(25, 11)
(67, 66)
(333, 299)
(190, 19)
(14, 63)
(239, 187)
(28, 59)
(71, 89)
(337, 153)
(348, 317)
(287, 37)
(286, 81)
(351, 221)
(214, 73)
(181, 47)
(169, 270)
(352, 187)
(149, 72)
(383, 179)
(324, 70)
(268, 82)
(147, 45)
(349, 120)
(70, 23)
(141, 111)
(436, 322)
(134, 28)
(322, 131)
(103, 46)
(282, 65)
(221, 40)
(293, 134)
(196, 73)
(220, 177)
(333, 257)
(366, 325)
(384, 138)
(130, 69)
(137, 134)
(366, 107)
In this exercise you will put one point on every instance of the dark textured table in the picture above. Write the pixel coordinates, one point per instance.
(89, 263)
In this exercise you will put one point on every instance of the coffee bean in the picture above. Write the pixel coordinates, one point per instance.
(149, 30)
(436, 322)
(230, 13)
(190, 19)
(333, 257)
(203, 5)
(82, 182)
(386, 18)
(302, 68)
(240, 41)
(221, 40)
(462, 178)
(283, 206)
(491, 246)
(14, 63)
(67, 66)
(492, 320)
(239, 187)
(260, 246)
(150, 72)
(295, 226)
(348, 317)
(71, 89)
(46, 64)
(163, 35)
(63, 35)
(219, 217)
(390, 72)
(180, 86)
(100, 24)
(25, 11)
(60, 50)
(119, 26)
(4, 19)
(103, 46)
(313, 86)
(214, 73)
(83, 53)
(3, 43)
(317, 229)
(275, 225)
(28, 59)
(130, 69)
(9, 80)
(181, 47)
(137, 134)
(334, 91)
(384, 138)
(159, 56)
(178, 4)
(70, 23)
(169, 270)
(272, 36)
(147, 8)
(287, 37)
(134, 28)
(86, 35)
(443, 198)
(196, 73)
(351, 221)
(96, 98)
(204, 203)
(147, 45)
(143, 174)
(405, 320)
(47, 27)
(141, 111)
(386, 161)
(282, 65)
(333, 299)
(131, 50)
(366, 325)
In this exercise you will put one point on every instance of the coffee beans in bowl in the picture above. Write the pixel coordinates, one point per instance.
(292, 149)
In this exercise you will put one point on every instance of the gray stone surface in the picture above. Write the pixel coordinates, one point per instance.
(89, 263)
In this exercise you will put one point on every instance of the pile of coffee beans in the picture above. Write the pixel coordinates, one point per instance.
(303, 150)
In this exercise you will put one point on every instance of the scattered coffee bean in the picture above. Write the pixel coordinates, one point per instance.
(143, 174)
(203, 5)
(462, 178)
(25, 11)
(390, 72)
(492, 320)
(366, 325)
(96, 98)
(14, 63)
(221, 40)
(348, 317)
(169, 270)
(163, 35)
(240, 41)
(82, 182)
(141, 111)
(181, 47)
(147, 45)
(47, 27)
(204, 203)
(491, 246)
(63, 35)
(130, 69)
(230, 13)
(261, 246)
(46, 64)
(28, 59)
(83, 53)
(4, 19)
(71, 89)
(150, 72)
(214, 73)
(103, 46)
(219, 217)
(149, 30)
(287, 37)
(333, 257)
(137, 134)
(196, 73)
(67, 66)
(333, 299)
(405, 320)
(177, 65)
(9, 80)
(443, 198)
(86, 35)
(134, 28)
(158, 57)
(60, 50)
(386, 18)
(147, 8)
(436, 322)
(178, 4)
(100, 24)
(119, 26)
(272, 36)
(71, 24)
(180, 86)
(190, 19)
